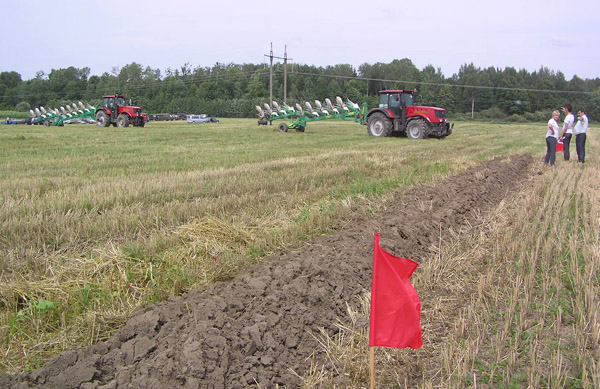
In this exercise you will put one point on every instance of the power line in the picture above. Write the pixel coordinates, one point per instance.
(444, 84)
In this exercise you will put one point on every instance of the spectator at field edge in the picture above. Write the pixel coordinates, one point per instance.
(567, 129)
(552, 138)
(580, 135)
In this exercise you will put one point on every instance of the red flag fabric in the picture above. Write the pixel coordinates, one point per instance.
(395, 304)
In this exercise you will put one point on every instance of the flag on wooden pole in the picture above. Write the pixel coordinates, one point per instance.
(395, 304)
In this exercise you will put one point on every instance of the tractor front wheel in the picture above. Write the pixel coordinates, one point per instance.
(415, 129)
(379, 125)
(283, 127)
(102, 119)
(123, 120)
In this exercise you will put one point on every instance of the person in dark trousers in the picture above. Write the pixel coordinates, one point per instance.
(552, 138)
(567, 129)
(580, 135)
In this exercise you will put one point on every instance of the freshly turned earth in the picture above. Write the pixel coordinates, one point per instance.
(257, 329)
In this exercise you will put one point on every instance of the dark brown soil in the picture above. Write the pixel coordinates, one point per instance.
(258, 328)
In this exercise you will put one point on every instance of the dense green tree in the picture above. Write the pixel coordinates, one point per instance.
(9, 89)
(10, 79)
(258, 85)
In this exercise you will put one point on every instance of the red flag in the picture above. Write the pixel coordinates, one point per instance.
(395, 304)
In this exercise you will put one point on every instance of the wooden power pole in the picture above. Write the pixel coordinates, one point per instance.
(285, 75)
(271, 78)
(285, 61)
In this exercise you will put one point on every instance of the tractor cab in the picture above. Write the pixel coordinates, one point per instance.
(113, 103)
(110, 101)
(396, 101)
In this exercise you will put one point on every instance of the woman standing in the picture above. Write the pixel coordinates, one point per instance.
(552, 138)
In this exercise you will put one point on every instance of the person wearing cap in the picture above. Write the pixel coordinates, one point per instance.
(580, 135)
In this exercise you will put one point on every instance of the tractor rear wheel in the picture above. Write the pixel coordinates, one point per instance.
(123, 120)
(416, 129)
(379, 125)
(300, 129)
(102, 119)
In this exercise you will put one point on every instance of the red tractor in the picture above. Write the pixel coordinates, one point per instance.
(115, 111)
(398, 114)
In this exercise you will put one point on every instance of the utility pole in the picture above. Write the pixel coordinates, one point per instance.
(285, 75)
(285, 61)
(271, 78)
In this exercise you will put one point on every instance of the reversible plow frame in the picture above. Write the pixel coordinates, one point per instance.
(58, 116)
(297, 117)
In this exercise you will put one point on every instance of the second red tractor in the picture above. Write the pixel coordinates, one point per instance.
(115, 111)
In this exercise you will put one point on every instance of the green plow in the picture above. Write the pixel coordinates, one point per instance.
(58, 116)
(297, 118)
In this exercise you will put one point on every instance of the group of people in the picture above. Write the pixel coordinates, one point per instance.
(571, 125)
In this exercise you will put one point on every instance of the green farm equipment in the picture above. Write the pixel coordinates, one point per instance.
(298, 117)
(59, 116)
(113, 110)
(395, 114)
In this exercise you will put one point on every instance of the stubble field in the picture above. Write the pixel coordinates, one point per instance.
(98, 223)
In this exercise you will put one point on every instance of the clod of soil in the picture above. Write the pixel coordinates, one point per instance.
(258, 328)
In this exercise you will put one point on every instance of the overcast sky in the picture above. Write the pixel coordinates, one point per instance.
(101, 35)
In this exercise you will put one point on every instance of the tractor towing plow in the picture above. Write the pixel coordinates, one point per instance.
(396, 114)
(58, 116)
(113, 110)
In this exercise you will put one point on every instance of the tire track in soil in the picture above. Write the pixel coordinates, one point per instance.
(257, 328)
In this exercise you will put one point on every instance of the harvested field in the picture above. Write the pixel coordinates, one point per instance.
(261, 327)
(509, 282)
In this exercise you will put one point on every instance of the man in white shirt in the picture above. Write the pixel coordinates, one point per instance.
(567, 129)
(580, 135)
(551, 139)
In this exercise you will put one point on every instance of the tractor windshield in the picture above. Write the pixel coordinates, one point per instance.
(393, 100)
(111, 102)
(383, 100)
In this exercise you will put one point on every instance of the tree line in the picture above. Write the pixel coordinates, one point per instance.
(233, 90)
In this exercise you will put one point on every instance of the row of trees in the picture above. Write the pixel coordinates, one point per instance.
(232, 90)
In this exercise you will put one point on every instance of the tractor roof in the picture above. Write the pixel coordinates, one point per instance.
(381, 92)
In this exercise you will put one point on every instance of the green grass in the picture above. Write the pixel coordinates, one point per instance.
(13, 115)
(100, 221)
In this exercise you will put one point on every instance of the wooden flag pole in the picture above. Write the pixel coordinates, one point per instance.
(372, 367)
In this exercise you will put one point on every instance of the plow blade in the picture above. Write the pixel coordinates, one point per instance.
(57, 117)
(297, 117)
